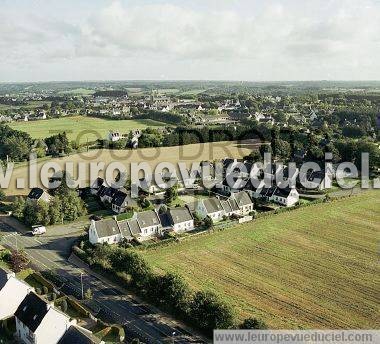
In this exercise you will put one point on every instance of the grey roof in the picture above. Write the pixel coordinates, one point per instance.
(107, 228)
(148, 218)
(124, 229)
(180, 214)
(31, 311)
(282, 192)
(212, 205)
(134, 226)
(226, 206)
(242, 198)
(76, 335)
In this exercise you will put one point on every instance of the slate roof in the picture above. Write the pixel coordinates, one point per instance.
(107, 228)
(242, 198)
(35, 193)
(212, 205)
(32, 311)
(110, 192)
(147, 219)
(119, 198)
(282, 192)
(124, 229)
(226, 206)
(180, 214)
(134, 226)
(75, 335)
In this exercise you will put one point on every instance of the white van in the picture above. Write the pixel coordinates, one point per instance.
(38, 230)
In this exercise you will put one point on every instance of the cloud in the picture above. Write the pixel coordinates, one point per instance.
(245, 39)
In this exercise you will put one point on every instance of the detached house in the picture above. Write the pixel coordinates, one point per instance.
(121, 201)
(12, 293)
(38, 322)
(287, 196)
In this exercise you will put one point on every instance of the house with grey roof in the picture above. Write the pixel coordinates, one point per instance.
(244, 202)
(211, 207)
(104, 231)
(149, 224)
(178, 219)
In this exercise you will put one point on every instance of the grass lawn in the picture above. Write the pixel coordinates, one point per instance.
(87, 127)
(315, 267)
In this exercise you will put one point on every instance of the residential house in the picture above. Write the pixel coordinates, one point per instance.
(149, 224)
(12, 293)
(38, 322)
(178, 219)
(104, 231)
(121, 201)
(244, 202)
(38, 194)
(211, 207)
(287, 196)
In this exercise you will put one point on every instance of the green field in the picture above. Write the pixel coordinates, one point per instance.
(89, 127)
(315, 267)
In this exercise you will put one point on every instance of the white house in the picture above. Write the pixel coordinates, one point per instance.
(287, 196)
(244, 202)
(114, 136)
(149, 223)
(37, 322)
(12, 292)
(211, 207)
(181, 219)
(104, 231)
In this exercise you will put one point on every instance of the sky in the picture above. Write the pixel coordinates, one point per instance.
(253, 40)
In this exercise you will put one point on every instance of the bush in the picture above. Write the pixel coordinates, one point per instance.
(18, 261)
(252, 323)
(64, 306)
(5, 255)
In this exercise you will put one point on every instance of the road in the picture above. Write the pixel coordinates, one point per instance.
(109, 302)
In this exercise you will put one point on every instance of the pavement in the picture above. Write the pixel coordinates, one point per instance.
(110, 303)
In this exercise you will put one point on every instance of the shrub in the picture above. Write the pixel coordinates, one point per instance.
(18, 261)
(252, 323)
(64, 306)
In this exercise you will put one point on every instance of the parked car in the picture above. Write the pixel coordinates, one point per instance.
(38, 230)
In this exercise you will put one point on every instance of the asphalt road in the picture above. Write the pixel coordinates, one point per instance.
(108, 303)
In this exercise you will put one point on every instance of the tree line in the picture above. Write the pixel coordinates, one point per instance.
(202, 309)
